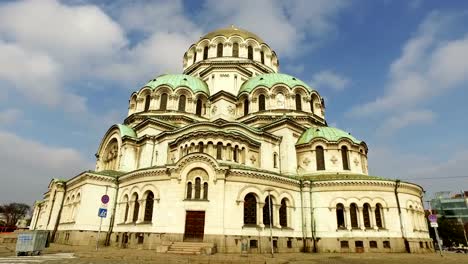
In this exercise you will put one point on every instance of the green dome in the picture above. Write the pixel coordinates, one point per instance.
(179, 80)
(270, 79)
(126, 131)
(328, 133)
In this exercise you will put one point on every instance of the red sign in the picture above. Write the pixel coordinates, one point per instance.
(432, 218)
(105, 199)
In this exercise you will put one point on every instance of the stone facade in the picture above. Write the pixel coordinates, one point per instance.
(233, 153)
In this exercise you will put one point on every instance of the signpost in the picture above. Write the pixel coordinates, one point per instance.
(433, 219)
(102, 213)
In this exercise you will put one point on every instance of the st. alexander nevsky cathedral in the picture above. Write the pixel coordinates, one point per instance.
(232, 156)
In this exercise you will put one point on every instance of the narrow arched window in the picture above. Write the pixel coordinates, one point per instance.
(319, 157)
(261, 102)
(194, 56)
(182, 100)
(262, 57)
(366, 216)
(136, 208)
(199, 107)
(163, 102)
(235, 50)
(149, 207)
(250, 209)
(205, 191)
(200, 147)
(344, 157)
(250, 52)
(340, 219)
(267, 211)
(127, 208)
(298, 102)
(205, 52)
(219, 149)
(275, 160)
(147, 102)
(312, 105)
(219, 50)
(353, 214)
(283, 213)
(197, 188)
(246, 106)
(189, 190)
(235, 154)
(378, 215)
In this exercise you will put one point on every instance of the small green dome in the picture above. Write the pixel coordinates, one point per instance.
(179, 80)
(126, 131)
(269, 80)
(328, 133)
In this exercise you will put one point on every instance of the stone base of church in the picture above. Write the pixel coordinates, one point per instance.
(253, 244)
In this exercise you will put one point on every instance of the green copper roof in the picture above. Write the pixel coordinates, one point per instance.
(342, 176)
(179, 80)
(126, 131)
(328, 133)
(270, 79)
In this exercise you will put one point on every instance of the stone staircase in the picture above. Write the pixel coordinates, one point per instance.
(192, 248)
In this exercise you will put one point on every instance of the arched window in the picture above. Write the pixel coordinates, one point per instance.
(246, 106)
(136, 208)
(262, 57)
(149, 207)
(353, 214)
(199, 107)
(344, 157)
(219, 149)
(205, 191)
(312, 101)
(194, 56)
(182, 103)
(219, 50)
(298, 102)
(250, 209)
(200, 147)
(261, 102)
(283, 213)
(378, 215)
(267, 211)
(366, 216)
(189, 190)
(235, 50)
(250, 52)
(205, 52)
(319, 157)
(275, 160)
(127, 207)
(235, 154)
(163, 102)
(197, 188)
(340, 219)
(147, 102)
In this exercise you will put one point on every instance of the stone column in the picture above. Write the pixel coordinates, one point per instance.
(347, 218)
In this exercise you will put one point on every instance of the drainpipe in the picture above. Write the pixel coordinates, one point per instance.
(59, 212)
(397, 185)
(302, 219)
(312, 222)
(114, 208)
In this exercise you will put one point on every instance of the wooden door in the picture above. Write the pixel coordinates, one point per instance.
(194, 225)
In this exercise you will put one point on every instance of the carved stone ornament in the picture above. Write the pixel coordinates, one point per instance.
(333, 159)
(230, 109)
(306, 161)
(253, 159)
(214, 109)
(356, 161)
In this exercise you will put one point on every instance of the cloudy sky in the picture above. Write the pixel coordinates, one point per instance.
(393, 73)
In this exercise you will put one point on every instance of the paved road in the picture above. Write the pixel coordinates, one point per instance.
(57, 257)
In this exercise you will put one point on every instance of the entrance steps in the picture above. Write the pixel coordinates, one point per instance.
(192, 248)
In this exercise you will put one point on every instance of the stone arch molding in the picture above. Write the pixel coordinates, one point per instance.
(261, 194)
(194, 161)
(140, 190)
(372, 201)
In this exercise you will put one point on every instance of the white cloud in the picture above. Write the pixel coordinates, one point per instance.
(403, 120)
(329, 79)
(10, 116)
(429, 65)
(26, 161)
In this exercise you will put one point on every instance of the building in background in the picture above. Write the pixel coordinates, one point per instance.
(451, 205)
(233, 153)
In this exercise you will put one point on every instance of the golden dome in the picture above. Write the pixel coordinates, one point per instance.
(232, 31)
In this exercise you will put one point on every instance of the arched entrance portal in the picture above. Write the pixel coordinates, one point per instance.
(197, 190)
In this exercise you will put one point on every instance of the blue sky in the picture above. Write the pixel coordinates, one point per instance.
(393, 73)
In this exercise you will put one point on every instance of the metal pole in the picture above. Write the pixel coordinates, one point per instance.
(98, 234)
(271, 229)
(438, 241)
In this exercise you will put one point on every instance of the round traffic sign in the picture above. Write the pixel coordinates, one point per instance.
(105, 199)
(432, 218)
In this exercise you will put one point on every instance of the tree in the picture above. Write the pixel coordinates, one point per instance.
(450, 231)
(13, 212)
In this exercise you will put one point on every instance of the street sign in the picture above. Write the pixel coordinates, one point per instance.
(102, 212)
(434, 224)
(105, 199)
(432, 218)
